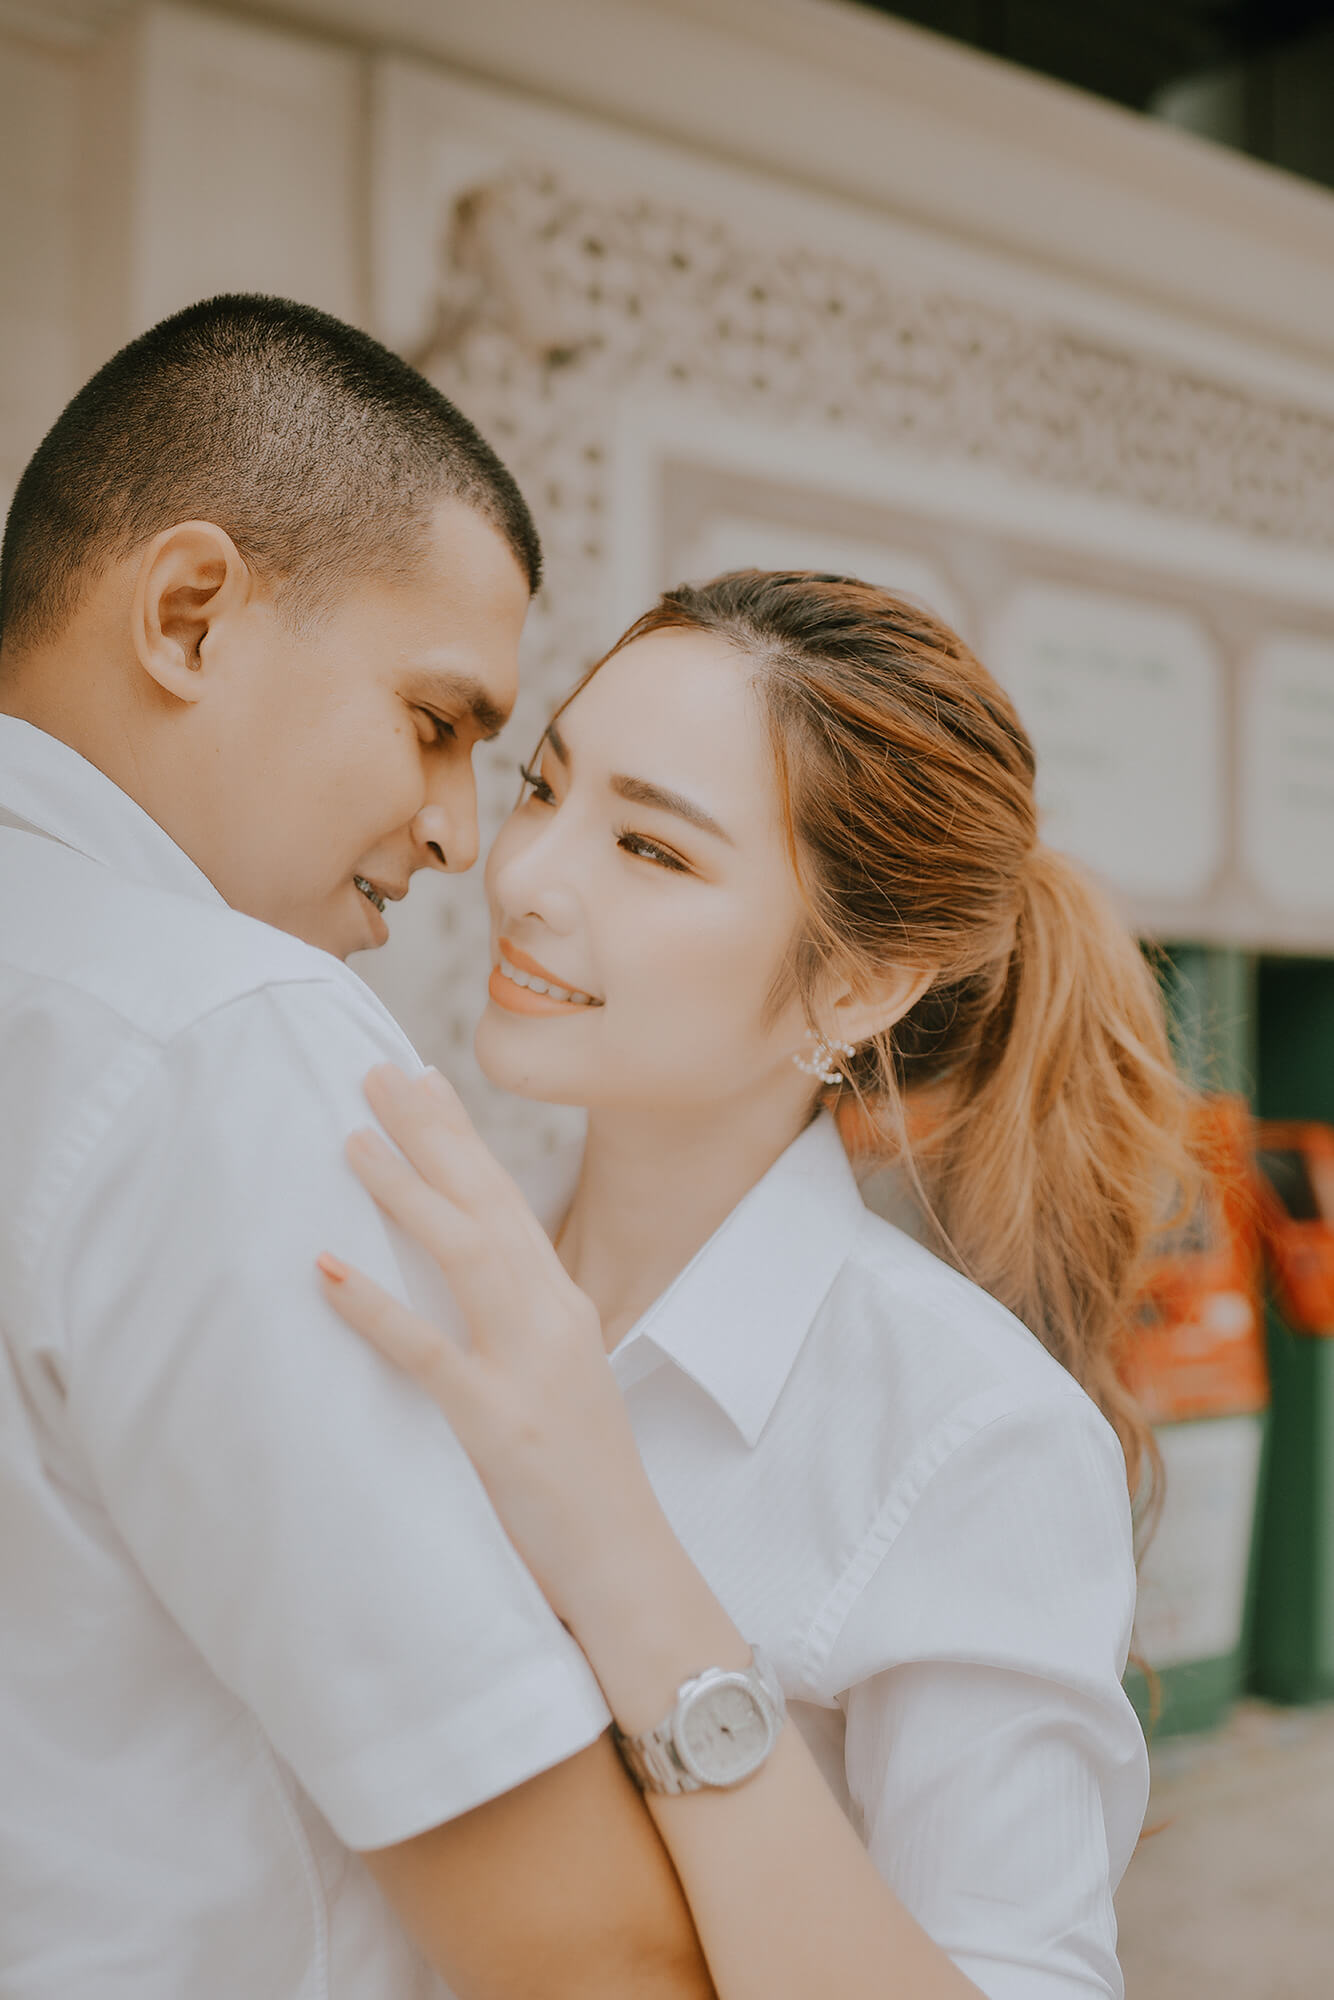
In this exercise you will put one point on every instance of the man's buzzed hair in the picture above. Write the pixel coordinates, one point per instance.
(318, 450)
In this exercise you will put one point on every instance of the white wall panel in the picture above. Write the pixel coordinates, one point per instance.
(39, 105)
(227, 157)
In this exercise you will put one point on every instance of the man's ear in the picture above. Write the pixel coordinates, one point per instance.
(190, 579)
(854, 1016)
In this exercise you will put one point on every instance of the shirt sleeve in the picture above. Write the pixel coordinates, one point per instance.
(301, 1509)
(992, 1754)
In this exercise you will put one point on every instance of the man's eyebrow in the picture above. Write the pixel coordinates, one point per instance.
(441, 690)
(641, 792)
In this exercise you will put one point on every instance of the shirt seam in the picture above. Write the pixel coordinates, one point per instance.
(943, 1443)
(319, 1909)
(83, 1137)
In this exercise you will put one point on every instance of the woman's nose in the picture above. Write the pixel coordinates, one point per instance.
(535, 880)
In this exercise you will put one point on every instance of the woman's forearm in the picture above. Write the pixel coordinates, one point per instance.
(785, 1898)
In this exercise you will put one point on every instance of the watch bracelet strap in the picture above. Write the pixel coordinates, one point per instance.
(652, 1761)
(651, 1757)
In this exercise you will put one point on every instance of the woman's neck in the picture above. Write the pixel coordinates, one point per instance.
(652, 1191)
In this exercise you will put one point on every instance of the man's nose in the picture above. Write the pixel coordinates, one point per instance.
(447, 837)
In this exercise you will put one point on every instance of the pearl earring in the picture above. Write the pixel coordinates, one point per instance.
(821, 1060)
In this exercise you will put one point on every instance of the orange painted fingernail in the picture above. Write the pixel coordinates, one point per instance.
(331, 1267)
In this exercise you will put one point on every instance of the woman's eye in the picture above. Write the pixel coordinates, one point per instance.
(538, 786)
(649, 850)
(441, 731)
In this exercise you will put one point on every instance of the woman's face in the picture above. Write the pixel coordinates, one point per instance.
(645, 872)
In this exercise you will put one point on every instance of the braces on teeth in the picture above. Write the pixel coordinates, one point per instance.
(371, 895)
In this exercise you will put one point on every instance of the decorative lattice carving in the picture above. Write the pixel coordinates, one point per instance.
(640, 289)
(552, 302)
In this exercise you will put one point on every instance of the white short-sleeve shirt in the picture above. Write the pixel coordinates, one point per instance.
(899, 1494)
(255, 1609)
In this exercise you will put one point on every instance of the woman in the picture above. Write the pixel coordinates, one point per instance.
(778, 851)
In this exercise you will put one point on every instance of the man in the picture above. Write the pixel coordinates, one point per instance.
(260, 597)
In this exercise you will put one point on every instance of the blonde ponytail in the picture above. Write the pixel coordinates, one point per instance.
(1057, 1141)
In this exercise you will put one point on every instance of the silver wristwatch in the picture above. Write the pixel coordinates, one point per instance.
(724, 1724)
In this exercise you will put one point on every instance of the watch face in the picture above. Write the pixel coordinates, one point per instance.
(724, 1732)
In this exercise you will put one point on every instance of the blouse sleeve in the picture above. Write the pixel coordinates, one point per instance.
(993, 1756)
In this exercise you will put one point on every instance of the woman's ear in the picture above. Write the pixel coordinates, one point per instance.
(191, 578)
(856, 1015)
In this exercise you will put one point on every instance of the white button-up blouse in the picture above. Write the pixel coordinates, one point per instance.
(897, 1492)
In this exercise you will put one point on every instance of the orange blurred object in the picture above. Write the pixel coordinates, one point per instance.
(1196, 1347)
(1296, 1164)
(862, 1133)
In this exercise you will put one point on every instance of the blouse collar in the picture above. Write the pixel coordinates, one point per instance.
(735, 1319)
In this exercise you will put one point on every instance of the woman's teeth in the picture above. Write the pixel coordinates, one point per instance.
(536, 985)
(371, 895)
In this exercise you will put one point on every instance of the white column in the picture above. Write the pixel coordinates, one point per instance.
(39, 104)
(220, 156)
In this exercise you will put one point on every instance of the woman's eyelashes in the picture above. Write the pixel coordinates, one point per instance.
(441, 731)
(637, 844)
(537, 785)
(650, 850)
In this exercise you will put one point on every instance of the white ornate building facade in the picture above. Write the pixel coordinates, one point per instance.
(766, 281)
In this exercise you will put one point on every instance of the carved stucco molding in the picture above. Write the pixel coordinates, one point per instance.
(638, 290)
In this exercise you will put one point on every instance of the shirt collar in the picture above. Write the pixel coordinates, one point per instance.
(57, 792)
(736, 1317)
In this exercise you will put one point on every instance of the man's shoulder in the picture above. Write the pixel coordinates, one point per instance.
(138, 1026)
(154, 961)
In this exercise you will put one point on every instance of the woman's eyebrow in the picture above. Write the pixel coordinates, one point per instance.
(641, 792)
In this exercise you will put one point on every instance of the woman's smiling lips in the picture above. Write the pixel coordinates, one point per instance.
(522, 986)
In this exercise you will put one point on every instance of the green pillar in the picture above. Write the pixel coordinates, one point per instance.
(1211, 1002)
(1293, 1644)
(1212, 1461)
(1295, 1053)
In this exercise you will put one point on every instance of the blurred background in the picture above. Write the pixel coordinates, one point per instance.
(1022, 307)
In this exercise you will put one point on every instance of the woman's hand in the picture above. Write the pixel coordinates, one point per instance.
(532, 1398)
(783, 1894)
